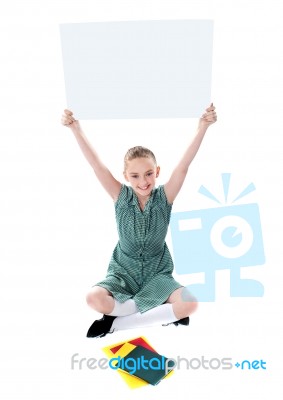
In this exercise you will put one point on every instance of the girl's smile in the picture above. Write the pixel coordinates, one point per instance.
(142, 173)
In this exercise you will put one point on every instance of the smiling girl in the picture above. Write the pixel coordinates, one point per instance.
(139, 289)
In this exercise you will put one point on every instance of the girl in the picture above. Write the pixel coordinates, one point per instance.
(139, 289)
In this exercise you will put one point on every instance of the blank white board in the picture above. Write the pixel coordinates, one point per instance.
(137, 69)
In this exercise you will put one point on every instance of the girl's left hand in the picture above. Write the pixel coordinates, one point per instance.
(209, 117)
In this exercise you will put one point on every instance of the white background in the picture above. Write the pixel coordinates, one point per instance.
(57, 226)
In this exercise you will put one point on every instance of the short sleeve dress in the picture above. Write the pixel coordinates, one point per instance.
(141, 265)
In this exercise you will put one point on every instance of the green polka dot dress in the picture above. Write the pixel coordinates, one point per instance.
(141, 265)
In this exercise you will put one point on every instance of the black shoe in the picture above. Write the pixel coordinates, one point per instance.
(101, 327)
(183, 321)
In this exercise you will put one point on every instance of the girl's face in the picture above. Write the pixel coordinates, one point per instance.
(142, 173)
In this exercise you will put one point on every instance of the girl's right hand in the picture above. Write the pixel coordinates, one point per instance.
(68, 120)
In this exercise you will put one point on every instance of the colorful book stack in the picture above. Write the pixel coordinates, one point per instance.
(138, 363)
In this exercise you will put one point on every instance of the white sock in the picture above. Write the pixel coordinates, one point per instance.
(122, 309)
(159, 315)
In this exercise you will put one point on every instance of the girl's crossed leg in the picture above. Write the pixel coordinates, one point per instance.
(101, 300)
(180, 304)
(183, 303)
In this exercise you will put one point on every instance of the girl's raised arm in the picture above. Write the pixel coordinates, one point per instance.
(107, 180)
(173, 186)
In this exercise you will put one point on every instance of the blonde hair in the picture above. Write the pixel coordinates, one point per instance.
(138, 152)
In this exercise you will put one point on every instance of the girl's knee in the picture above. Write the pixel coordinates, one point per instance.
(93, 295)
(190, 302)
(90, 298)
(190, 307)
(193, 306)
(96, 298)
(186, 308)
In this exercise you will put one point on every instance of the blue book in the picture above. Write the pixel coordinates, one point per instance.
(146, 365)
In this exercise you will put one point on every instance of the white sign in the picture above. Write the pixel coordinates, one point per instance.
(138, 69)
